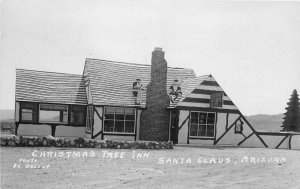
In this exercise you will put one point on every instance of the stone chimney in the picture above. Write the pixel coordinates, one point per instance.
(155, 119)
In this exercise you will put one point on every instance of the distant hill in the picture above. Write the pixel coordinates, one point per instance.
(263, 122)
(7, 115)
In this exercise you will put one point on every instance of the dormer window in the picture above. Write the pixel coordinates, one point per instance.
(216, 99)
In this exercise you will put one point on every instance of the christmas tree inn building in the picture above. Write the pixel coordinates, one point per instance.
(126, 101)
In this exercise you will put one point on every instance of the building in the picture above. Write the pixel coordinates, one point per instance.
(101, 103)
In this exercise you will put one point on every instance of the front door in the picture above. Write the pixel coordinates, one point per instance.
(174, 126)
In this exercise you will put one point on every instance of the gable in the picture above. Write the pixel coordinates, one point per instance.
(197, 93)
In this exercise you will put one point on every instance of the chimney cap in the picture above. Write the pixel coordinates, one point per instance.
(157, 49)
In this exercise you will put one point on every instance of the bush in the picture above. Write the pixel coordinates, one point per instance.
(50, 141)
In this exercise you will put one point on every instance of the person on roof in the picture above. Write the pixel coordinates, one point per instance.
(137, 88)
(175, 91)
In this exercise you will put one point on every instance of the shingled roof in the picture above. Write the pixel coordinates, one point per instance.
(111, 82)
(50, 87)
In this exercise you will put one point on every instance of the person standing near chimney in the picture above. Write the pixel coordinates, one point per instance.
(137, 88)
(175, 91)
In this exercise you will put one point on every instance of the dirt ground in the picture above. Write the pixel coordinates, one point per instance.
(183, 167)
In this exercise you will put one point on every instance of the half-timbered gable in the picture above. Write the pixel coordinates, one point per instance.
(205, 114)
(198, 93)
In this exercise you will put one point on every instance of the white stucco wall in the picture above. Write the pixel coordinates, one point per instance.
(69, 131)
(34, 130)
(221, 124)
(97, 120)
(88, 134)
(253, 142)
(230, 138)
(183, 132)
(201, 142)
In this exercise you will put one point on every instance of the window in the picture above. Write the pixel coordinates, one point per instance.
(216, 99)
(238, 129)
(53, 113)
(77, 114)
(202, 124)
(89, 118)
(119, 120)
(29, 111)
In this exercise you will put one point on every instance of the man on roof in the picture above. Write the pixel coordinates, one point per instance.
(175, 91)
(137, 88)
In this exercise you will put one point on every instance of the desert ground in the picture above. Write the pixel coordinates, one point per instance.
(182, 167)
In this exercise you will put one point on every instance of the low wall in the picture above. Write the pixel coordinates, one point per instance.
(117, 137)
(279, 140)
(295, 142)
(49, 141)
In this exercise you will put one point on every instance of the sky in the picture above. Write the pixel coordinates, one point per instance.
(251, 48)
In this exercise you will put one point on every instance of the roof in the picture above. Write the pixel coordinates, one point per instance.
(196, 92)
(111, 82)
(50, 87)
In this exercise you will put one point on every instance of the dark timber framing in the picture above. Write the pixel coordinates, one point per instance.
(245, 138)
(226, 131)
(204, 100)
(227, 116)
(290, 141)
(253, 130)
(51, 124)
(216, 122)
(204, 91)
(217, 110)
(101, 118)
(182, 124)
(189, 125)
(282, 141)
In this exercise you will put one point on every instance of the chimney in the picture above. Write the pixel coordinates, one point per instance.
(155, 119)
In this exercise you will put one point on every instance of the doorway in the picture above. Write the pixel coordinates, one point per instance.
(174, 126)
